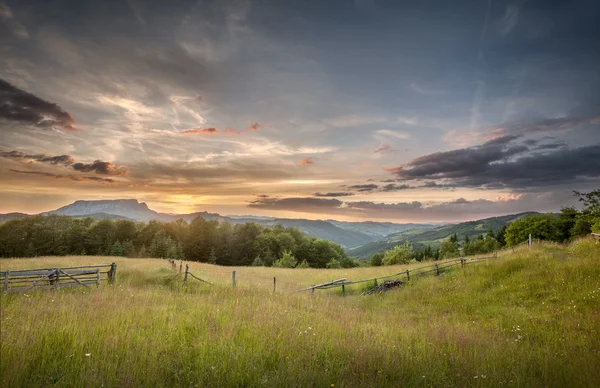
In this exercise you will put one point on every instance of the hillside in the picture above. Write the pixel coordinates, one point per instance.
(527, 320)
(347, 234)
(434, 236)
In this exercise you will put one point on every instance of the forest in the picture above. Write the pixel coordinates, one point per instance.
(199, 240)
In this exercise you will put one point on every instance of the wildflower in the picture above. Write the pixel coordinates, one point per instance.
(88, 354)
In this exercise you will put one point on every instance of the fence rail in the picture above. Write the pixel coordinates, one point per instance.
(54, 278)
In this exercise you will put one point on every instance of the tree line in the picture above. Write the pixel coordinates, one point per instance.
(567, 225)
(199, 240)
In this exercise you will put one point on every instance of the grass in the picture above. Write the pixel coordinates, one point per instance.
(530, 318)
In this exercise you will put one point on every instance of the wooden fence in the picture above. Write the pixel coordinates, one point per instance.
(54, 278)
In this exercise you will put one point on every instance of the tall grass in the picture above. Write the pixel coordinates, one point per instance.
(531, 318)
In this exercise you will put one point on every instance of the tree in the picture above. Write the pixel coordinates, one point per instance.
(500, 236)
(541, 226)
(286, 261)
(566, 220)
(400, 254)
(377, 259)
(582, 228)
(449, 249)
(591, 202)
(304, 264)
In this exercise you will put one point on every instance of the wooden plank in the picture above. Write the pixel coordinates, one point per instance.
(73, 278)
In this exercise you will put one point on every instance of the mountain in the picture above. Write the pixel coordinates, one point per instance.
(361, 238)
(377, 229)
(434, 236)
(139, 211)
(10, 216)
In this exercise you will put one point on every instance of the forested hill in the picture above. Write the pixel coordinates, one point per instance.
(199, 240)
(344, 233)
(434, 236)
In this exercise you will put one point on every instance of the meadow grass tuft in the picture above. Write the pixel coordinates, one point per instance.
(530, 318)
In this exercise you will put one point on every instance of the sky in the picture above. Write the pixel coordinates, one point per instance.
(403, 111)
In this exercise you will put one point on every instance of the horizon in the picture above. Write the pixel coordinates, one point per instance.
(412, 112)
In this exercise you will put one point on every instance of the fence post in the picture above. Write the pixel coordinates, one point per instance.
(530, 242)
(462, 262)
(112, 273)
(274, 284)
(97, 277)
(407, 275)
(313, 288)
(233, 278)
(57, 280)
(437, 270)
(6, 275)
(343, 289)
(180, 266)
(187, 268)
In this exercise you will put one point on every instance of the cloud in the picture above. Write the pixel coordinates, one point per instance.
(75, 178)
(396, 134)
(364, 188)
(393, 187)
(60, 159)
(255, 127)
(306, 162)
(382, 148)
(7, 18)
(209, 131)
(100, 167)
(458, 163)
(334, 194)
(21, 106)
(498, 164)
(308, 205)
(459, 209)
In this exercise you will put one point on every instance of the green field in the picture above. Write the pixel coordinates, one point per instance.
(530, 318)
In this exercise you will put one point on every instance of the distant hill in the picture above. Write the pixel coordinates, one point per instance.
(360, 238)
(131, 209)
(434, 236)
(10, 216)
(377, 229)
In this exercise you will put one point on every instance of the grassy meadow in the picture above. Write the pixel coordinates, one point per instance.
(529, 318)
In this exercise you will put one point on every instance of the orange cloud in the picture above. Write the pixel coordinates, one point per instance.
(306, 162)
(209, 131)
(255, 127)
(232, 131)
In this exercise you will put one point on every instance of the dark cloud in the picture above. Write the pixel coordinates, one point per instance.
(495, 165)
(551, 146)
(545, 126)
(308, 205)
(458, 209)
(394, 187)
(263, 196)
(70, 177)
(459, 163)
(21, 106)
(364, 188)
(100, 167)
(335, 194)
(60, 159)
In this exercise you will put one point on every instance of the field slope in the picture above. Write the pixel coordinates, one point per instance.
(531, 318)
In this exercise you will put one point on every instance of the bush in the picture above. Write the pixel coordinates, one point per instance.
(377, 259)
(334, 264)
(287, 261)
(400, 254)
